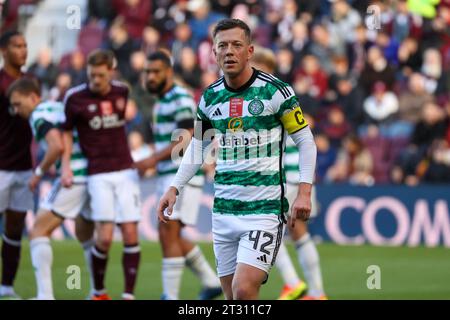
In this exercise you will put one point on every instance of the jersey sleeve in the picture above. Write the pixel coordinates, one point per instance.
(202, 123)
(184, 113)
(288, 111)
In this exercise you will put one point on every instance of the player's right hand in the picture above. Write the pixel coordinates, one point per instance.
(167, 202)
(66, 177)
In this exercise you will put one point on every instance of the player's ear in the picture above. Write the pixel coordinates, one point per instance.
(251, 50)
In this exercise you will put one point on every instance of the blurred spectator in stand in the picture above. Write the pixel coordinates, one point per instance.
(389, 46)
(312, 76)
(299, 42)
(354, 164)
(436, 77)
(202, 18)
(135, 68)
(335, 126)
(77, 68)
(288, 18)
(63, 83)
(326, 155)
(182, 39)
(285, 65)
(44, 69)
(322, 47)
(120, 44)
(136, 15)
(381, 106)
(135, 120)
(408, 56)
(344, 20)
(404, 24)
(357, 51)
(101, 10)
(188, 69)
(412, 100)
(376, 69)
(150, 40)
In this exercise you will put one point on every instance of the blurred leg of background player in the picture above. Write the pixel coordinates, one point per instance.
(308, 258)
(11, 246)
(178, 251)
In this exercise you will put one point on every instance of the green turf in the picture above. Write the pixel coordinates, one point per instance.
(406, 273)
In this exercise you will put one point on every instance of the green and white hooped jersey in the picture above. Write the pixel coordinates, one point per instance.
(251, 125)
(53, 112)
(291, 160)
(169, 112)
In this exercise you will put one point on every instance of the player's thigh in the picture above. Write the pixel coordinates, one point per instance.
(102, 198)
(258, 247)
(21, 197)
(67, 203)
(225, 243)
(6, 182)
(128, 196)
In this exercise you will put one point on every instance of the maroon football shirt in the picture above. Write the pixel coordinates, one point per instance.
(15, 133)
(100, 122)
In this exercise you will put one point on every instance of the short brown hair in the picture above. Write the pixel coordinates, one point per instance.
(24, 86)
(227, 24)
(101, 57)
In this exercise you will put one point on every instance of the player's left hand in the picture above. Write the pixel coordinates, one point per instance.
(34, 181)
(301, 209)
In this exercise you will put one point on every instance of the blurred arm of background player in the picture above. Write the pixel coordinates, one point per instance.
(172, 151)
(66, 171)
(54, 152)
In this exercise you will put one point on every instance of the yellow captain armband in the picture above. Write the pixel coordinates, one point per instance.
(293, 120)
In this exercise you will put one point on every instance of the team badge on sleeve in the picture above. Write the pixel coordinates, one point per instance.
(293, 119)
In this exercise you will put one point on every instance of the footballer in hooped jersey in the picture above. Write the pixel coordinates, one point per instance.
(174, 110)
(249, 202)
(96, 110)
(61, 203)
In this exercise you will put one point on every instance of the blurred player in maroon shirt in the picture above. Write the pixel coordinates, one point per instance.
(97, 111)
(15, 161)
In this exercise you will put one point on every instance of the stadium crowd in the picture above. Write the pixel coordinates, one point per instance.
(374, 85)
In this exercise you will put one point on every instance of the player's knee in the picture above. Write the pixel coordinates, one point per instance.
(129, 235)
(104, 242)
(243, 290)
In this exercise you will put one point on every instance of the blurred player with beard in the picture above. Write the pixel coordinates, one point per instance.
(97, 110)
(175, 109)
(61, 203)
(15, 162)
(308, 256)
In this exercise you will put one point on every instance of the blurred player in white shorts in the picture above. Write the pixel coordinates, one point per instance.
(96, 109)
(294, 288)
(174, 110)
(61, 203)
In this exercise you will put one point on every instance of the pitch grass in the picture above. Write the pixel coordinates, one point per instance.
(406, 273)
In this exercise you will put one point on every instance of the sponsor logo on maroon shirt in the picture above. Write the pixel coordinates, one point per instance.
(100, 122)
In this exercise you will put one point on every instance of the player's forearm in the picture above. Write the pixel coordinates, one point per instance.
(307, 149)
(54, 152)
(191, 163)
(68, 146)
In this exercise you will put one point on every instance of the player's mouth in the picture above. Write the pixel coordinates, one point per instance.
(230, 63)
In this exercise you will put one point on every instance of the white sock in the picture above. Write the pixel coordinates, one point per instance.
(172, 271)
(196, 261)
(42, 259)
(309, 260)
(286, 267)
(87, 247)
(7, 290)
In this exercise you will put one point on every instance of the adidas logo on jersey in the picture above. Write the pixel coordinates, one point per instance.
(262, 258)
(217, 113)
